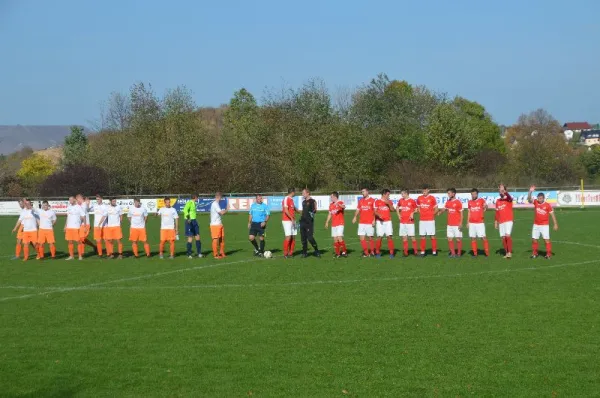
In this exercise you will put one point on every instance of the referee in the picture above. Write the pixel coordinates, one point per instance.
(257, 223)
(192, 230)
(307, 223)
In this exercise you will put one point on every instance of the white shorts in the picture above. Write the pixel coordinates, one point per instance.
(337, 231)
(365, 230)
(505, 228)
(540, 230)
(426, 228)
(476, 230)
(384, 228)
(453, 231)
(407, 230)
(289, 228)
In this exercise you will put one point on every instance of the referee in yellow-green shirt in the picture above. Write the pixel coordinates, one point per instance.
(192, 230)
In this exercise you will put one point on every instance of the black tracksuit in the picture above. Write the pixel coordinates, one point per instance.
(307, 224)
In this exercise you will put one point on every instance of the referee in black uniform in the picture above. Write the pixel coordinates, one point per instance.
(307, 223)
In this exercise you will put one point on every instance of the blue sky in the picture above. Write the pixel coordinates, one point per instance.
(59, 60)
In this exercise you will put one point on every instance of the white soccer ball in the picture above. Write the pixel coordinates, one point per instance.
(267, 254)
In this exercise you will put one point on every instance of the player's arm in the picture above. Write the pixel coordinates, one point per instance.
(530, 194)
(249, 219)
(554, 220)
(328, 219)
(176, 223)
(314, 207)
(462, 218)
(222, 211)
(390, 205)
(17, 224)
(187, 209)
(356, 213)
(53, 219)
(286, 211)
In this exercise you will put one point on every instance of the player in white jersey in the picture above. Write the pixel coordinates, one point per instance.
(98, 208)
(46, 234)
(113, 215)
(84, 202)
(19, 232)
(217, 231)
(137, 233)
(169, 225)
(29, 221)
(75, 218)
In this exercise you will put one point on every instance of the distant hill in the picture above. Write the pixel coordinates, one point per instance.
(14, 138)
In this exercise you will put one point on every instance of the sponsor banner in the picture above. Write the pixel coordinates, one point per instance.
(125, 205)
(573, 198)
(160, 203)
(242, 204)
(276, 202)
(150, 205)
(10, 208)
(202, 204)
(59, 206)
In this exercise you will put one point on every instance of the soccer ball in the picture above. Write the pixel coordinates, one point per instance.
(268, 254)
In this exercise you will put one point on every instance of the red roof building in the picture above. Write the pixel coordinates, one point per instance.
(577, 126)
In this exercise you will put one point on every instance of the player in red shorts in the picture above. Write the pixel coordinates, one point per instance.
(454, 208)
(427, 209)
(383, 222)
(366, 222)
(475, 222)
(406, 209)
(541, 222)
(504, 219)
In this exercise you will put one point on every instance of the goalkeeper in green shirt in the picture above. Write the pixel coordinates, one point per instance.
(192, 230)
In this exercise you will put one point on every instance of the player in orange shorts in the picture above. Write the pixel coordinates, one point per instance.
(98, 209)
(137, 233)
(19, 231)
(169, 225)
(84, 232)
(28, 220)
(113, 215)
(217, 231)
(75, 218)
(46, 234)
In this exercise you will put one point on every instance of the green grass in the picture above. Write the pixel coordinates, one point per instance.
(315, 327)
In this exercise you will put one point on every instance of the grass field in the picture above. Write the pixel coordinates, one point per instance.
(307, 327)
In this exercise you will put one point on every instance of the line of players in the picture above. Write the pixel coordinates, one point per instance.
(374, 217)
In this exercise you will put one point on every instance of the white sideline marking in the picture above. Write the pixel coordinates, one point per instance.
(317, 282)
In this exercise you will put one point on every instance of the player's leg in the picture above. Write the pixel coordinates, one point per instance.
(362, 232)
(222, 241)
(25, 250)
(304, 239)
(545, 232)
(450, 237)
(133, 237)
(310, 230)
(146, 246)
(18, 248)
(198, 246)
(252, 240)
(548, 248)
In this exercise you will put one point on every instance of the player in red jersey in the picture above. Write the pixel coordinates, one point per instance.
(336, 216)
(383, 222)
(427, 209)
(454, 208)
(475, 222)
(290, 229)
(406, 210)
(504, 219)
(366, 222)
(541, 222)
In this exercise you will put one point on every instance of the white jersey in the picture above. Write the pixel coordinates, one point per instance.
(137, 217)
(215, 216)
(113, 216)
(86, 210)
(28, 219)
(167, 217)
(74, 214)
(47, 219)
(99, 211)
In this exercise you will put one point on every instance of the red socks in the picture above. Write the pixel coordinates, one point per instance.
(474, 247)
(365, 248)
(451, 247)
(486, 247)
(372, 244)
(336, 246)
(423, 245)
(549, 249)
(378, 246)
(414, 245)
(405, 247)
(391, 246)
(433, 244)
(534, 247)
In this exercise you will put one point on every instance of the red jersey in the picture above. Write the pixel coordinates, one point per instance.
(476, 210)
(454, 208)
(426, 206)
(407, 209)
(288, 202)
(337, 213)
(367, 211)
(383, 209)
(542, 212)
(504, 209)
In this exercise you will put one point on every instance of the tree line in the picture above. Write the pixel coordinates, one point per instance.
(387, 133)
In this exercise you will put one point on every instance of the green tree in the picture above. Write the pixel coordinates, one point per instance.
(34, 170)
(591, 161)
(76, 148)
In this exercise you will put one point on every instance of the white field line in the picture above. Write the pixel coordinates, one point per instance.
(315, 282)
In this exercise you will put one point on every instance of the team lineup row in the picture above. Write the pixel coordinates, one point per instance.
(36, 227)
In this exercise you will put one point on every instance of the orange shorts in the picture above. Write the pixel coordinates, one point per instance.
(167, 235)
(113, 233)
(46, 236)
(98, 233)
(20, 232)
(137, 235)
(72, 234)
(84, 231)
(30, 237)
(217, 231)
